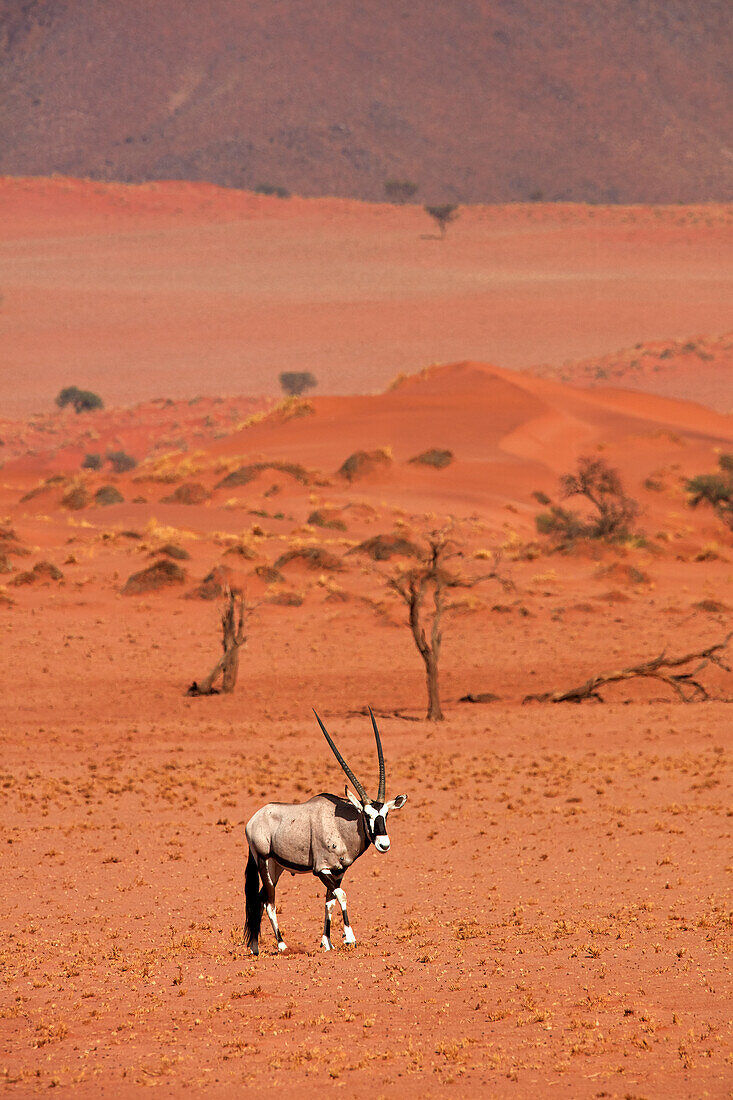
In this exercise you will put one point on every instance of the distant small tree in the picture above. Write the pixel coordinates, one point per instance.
(601, 485)
(443, 215)
(272, 189)
(400, 190)
(715, 489)
(82, 400)
(296, 382)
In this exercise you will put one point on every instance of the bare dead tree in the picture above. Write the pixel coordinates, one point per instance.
(685, 684)
(428, 580)
(233, 638)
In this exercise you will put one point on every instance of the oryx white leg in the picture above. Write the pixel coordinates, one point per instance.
(326, 937)
(270, 874)
(349, 936)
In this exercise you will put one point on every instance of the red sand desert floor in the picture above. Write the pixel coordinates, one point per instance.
(554, 916)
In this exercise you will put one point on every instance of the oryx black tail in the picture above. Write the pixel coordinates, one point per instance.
(252, 905)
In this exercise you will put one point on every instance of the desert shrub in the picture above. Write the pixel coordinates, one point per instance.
(121, 461)
(296, 382)
(41, 571)
(314, 557)
(384, 547)
(75, 498)
(443, 215)
(108, 494)
(91, 462)
(322, 518)
(361, 463)
(272, 189)
(560, 521)
(715, 489)
(400, 190)
(244, 474)
(242, 551)
(214, 584)
(601, 485)
(434, 456)
(160, 574)
(82, 400)
(189, 493)
(173, 550)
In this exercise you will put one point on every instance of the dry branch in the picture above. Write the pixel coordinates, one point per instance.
(685, 684)
(233, 638)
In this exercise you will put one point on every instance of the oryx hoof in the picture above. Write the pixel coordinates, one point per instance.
(349, 937)
(326, 944)
(255, 949)
(282, 946)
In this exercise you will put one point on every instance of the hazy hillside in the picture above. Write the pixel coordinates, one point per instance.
(604, 100)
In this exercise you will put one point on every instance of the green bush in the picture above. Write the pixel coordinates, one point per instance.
(91, 462)
(715, 489)
(82, 400)
(601, 485)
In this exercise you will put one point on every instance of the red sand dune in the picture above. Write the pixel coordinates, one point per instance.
(174, 290)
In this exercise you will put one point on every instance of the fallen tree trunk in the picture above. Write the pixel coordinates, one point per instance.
(233, 638)
(685, 684)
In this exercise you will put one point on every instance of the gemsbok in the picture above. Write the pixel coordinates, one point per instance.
(323, 837)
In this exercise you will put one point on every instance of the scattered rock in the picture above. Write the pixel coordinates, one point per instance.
(188, 493)
(434, 457)
(108, 494)
(384, 547)
(161, 574)
(361, 463)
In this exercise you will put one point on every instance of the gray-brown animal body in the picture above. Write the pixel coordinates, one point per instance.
(323, 837)
(326, 833)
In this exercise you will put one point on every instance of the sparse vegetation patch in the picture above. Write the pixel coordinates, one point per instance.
(614, 511)
(361, 463)
(434, 456)
(161, 574)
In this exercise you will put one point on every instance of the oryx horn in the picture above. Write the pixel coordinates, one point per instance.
(350, 775)
(380, 754)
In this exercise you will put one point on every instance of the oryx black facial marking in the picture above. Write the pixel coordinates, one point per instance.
(323, 836)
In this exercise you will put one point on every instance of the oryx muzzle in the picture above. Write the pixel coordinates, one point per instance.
(322, 836)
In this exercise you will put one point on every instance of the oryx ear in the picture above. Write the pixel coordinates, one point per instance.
(353, 800)
(395, 803)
